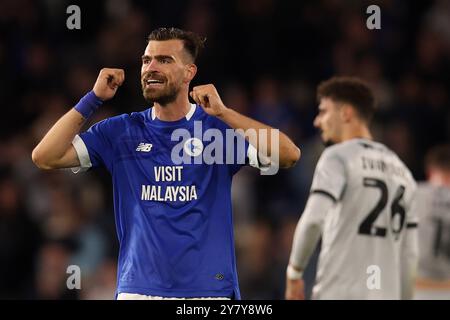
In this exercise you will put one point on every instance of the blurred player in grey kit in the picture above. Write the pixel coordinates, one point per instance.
(432, 204)
(359, 203)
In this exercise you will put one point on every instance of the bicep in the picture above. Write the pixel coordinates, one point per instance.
(69, 159)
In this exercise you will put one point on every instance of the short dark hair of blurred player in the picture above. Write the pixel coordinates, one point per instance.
(437, 165)
(432, 206)
(359, 204)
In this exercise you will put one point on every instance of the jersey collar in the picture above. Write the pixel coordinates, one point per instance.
(188, 115)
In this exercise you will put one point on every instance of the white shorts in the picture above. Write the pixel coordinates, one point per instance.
(136, 296)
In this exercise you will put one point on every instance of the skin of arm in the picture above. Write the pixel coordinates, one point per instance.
(55, 150)
(208, 98)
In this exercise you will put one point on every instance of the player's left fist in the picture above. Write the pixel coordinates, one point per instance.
(207, 97)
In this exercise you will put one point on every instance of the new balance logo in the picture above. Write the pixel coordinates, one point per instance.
(144, 147)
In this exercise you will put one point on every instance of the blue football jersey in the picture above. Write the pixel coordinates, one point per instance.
(174, 220)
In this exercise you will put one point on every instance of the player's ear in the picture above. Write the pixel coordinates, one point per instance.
(347, 112)
(191, 71)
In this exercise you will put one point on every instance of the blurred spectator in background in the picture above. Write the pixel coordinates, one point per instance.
(432, 204)
(19, 240)
(51, 276)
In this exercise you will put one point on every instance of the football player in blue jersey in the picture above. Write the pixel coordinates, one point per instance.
(173, 219)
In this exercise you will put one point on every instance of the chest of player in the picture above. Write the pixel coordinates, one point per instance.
(159, 160)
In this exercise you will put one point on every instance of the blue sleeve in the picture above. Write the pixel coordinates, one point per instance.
(240, 151)
(98, 140)
(235, 147)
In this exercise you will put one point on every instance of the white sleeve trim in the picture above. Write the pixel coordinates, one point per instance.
(252, 155)
(83, 155)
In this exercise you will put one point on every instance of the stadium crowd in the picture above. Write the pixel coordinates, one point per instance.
(264, 56)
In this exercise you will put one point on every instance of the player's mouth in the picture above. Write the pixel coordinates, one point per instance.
(150, 83)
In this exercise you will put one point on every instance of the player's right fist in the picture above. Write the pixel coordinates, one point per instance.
(107, 83)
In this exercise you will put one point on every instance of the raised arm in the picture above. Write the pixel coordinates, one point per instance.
(209, 99)
(55, 150)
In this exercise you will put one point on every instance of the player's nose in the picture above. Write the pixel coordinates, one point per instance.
(316, 122)
(152, 66)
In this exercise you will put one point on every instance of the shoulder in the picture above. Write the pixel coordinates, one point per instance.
(400, 167)
(137, 117)
(336, 151)
(425, 188)
(200, 114)
(332, 159)
(118, 124)
(128, 119)
(350, 147)
(402, 164)
(208, 120)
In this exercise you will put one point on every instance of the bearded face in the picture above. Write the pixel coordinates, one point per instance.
(164, 71)
(157, 88)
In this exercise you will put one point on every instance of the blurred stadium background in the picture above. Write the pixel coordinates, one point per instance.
(266, 58)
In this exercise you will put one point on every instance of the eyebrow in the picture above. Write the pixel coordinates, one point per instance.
(158, 57)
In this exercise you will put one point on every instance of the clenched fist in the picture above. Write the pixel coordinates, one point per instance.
(107, 83)
(207, 97)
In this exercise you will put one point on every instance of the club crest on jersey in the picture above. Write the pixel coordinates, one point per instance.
(193, 147)
(144, 147)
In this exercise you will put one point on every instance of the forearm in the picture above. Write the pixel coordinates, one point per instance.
(306, 237)
(409, 263)
(287, 152)
(55, 150)
(309, 230)
(55, 144)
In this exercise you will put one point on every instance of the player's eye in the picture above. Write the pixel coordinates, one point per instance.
(145, 61)
(164, 60)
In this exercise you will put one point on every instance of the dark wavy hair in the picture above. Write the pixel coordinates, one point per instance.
(349, 90)
(438, 157)
(193, 43)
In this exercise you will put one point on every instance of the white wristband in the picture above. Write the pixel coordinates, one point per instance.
(293, 274)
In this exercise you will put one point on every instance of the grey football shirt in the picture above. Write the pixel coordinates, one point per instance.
(364, 232)
(432, 205)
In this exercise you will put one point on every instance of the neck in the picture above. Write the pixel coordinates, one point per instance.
(174, 110)
(440, 179)
(356, 131)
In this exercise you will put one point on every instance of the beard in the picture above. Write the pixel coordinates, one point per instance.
(162, 96)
